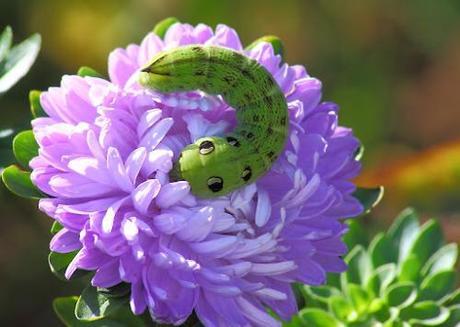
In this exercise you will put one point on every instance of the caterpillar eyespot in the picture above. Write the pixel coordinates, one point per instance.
(206, 147)
(247, 173)
(215, 184)
(245, 85)
(233, 141)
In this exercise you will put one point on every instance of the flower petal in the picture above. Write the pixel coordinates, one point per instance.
(144, 194)
(172, 193)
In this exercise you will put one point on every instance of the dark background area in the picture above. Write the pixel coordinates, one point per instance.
(393, 66)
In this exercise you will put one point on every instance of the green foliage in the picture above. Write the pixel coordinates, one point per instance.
(317, 317)
(35, 106)
(58, 263)
(18, 182)
(25, 148)
(16, 61)
(6, 39)
(56, 227)
(275, 41)
(65, 309)
(88, 71)
(97, 307)
(405, 277)
(94, 305)
(162, 27)
(369, 197)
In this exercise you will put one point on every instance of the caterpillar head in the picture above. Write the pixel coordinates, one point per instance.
(209, 165)
(174, 70)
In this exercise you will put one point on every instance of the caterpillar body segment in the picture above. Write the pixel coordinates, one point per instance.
(214, 165)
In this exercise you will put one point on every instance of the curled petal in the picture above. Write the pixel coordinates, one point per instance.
(65, 241)
(144, 194)
(172, 193)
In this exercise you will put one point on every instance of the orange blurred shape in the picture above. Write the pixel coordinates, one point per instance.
(420, 176)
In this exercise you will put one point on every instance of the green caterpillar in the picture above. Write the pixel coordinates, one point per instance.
(215, 166)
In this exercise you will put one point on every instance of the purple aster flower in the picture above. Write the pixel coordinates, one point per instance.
(105, 153)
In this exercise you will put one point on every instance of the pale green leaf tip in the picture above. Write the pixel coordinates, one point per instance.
(55, 227)
(163, 26)
(35, 105)
(88, 71)
(276, 43)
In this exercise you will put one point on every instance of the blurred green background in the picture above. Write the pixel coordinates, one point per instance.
(393, 66)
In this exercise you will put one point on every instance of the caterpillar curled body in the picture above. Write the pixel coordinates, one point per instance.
(215, 165)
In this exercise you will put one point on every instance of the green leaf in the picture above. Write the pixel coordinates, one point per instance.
(93, 305)
(452, 299)
(380, 310)
(426, 313)
(381, 251)
(404, 231)
(381, 278)
(18, 182)
(369, 197)
(401, 294)
(25, 148)
(126, 318)
(65, 310)
(119, 290)
(294, 322)
(341, 308)
(58, 262)
(454, 316)
(277, 44)
(356, 234)
(334, 280)
(395, 322)
(162, 27)
(359, 267)
(319, 295)
(18, 62)
(410, 269)
(428, 241)
(359, 298)
(444, 259)
(6, 39)
(438, 285)
(56, 227)
(318, 318)
(35, 106)
(88, 71)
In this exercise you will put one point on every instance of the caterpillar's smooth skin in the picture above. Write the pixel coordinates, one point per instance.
(213, 165)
